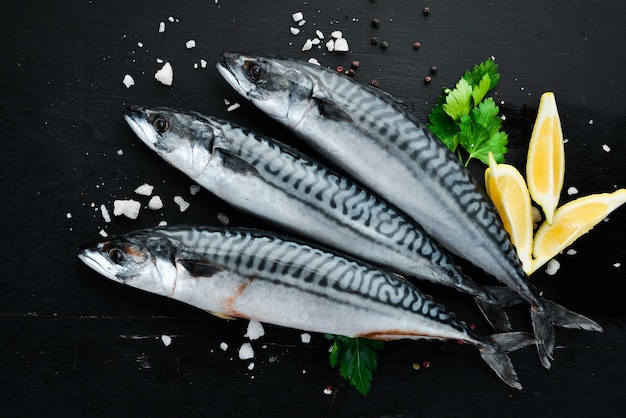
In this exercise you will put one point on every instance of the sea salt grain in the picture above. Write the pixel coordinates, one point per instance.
(255, 330)
(336, 34)
(606, 148)
(194, 189)
(105, 213)
(144, 190)
(190, 44)
(246, 352)
(165, 75)
(617, 265)
(223, 219)
(571, 251)
(155, 203)
(161, 27)
(182, 203)
(314, 61)
(128, 81)
(305, 337)
(572, 190)
(203, 63)
(129, 208)
(294, 31)
(224, 346)
(307, 45)
(167, 340)
(120, 152)
(297, 16)
(552, 267)
(103, 233)
(341, 45)
(232, 107)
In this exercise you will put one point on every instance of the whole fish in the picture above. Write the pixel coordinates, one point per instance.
(379, 143)
(263, 277)
(268, 179)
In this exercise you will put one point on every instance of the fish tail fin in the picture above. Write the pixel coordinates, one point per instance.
(492, 304)
(543, 319)
(495, 354)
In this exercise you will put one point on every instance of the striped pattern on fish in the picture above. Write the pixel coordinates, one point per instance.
(261, 276)
(383, 146)
(264, 177)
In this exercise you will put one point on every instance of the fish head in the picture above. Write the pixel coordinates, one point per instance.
(141, 260)
(181, 138)
(279, 87)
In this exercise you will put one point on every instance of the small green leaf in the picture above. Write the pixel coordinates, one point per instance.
(479, 91)
(443, 126)
(459, 100)
(357, 360)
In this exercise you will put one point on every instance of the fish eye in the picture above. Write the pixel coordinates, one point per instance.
(117, 255)
(160, 124)
(255, 71)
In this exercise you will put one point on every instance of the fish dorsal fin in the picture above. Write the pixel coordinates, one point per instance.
(331, 110)
(233, 162)
(199, 268)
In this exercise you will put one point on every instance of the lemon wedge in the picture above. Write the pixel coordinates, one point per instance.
(508, 192)
(571, 221)
(545, 165)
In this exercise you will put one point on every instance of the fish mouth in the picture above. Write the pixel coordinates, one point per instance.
(135, 118)
(94, 260)
(227, 66)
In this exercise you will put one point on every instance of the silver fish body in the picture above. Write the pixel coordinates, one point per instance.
(265, 277)
(384, 147)
(268, 179)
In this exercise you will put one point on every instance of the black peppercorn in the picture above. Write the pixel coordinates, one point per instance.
(384, 44)
(375, 23)
(427, 80)
(426, 11)
(433, 70)
(374, 40)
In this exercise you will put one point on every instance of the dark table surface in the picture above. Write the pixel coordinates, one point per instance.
(71, 342)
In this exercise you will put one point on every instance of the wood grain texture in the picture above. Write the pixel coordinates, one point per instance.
(73, 343)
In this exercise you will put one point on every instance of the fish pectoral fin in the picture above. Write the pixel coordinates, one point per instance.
(200, 268)
(222, 315)
(233, 162)
(331, 111)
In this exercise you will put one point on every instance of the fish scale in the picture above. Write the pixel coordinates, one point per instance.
(383, 146)
(262, 176)
(263, 276)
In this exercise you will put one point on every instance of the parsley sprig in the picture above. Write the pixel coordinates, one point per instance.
(464, 117)
(357, 359)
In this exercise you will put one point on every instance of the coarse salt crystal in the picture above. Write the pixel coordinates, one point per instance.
(120, 152)
(246, 352)
(129, 208)
(330, 45)
(171, 19)
(190, 44)
(305, 337)
(140, 44)
(155, 203)
(103, 233)
(128, 81)
(590, 121)
(307, 45)
(224, 346)
(302, 22)
(195, 65)
(163, 223)
(182, 203)
(571, 251)
(319, 34)
(232, 107)
(341, 45)
(167, 340)
(336, 34)
(203, 63)
(552, 267)
(328, 391)
(145, 189)
(315, 41)
(194, 189)
(255, 330)
(617, 265)
(161, 27)
(297, 16)
(250, 366)
(314, 61)
(105, 213)
(68, 215)
(159, 61)
(165, 75)
(606, 148)
(572, 190)
(294, 31)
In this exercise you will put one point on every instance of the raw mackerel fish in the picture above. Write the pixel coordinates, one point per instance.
(264, 277)
(266, 178)
(378, 142)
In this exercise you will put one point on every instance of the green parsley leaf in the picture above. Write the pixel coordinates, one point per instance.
(466, 122)
(459, 100)
(357, 359)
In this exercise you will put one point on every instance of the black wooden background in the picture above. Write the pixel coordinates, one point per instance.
(71, 342)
